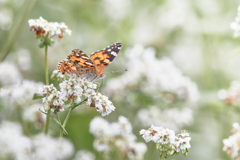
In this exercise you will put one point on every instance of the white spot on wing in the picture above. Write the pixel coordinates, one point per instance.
(89, 63)
(109, 50)
(114, 53)
(83, 57)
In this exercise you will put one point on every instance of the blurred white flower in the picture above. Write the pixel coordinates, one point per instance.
(235, 26)
(232, 144)
(116, 135)
(155, 75)
(13, 143)
(5, 19)
(232, 94)
(24, 59)
(9, 76)
(45, 148)
(20, 94)
(172, 118)
(116, 9)
(84, 155)
(167, 143)
(32, 114)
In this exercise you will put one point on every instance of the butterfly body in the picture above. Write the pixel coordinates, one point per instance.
(91, 67)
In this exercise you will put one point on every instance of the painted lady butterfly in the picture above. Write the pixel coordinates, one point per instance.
(91, 67)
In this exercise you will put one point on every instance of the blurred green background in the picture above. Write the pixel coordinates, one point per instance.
(194, 34)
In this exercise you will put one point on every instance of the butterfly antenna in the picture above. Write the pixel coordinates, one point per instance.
(117, 71)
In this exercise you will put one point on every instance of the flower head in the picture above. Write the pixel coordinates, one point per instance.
(116, 135)
(43, 27)
(167, 143)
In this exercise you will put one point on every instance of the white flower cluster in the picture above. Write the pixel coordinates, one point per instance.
(232, 144)
(173, 118)
(235, 26)
(32, 114)
(76, 89)
(14, 145)
(9, 74)
(168, 144)
(20, 94)
(51, 98)
(42, 26)
(231, 95)
(84, 155)
(154, 75)
(117, 135)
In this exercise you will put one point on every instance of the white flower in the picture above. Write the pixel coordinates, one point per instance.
(12, 141)
(232, 144)
(232, 94)
(167, 142)
(84, 155)
(32, 114)
(42, 26)
(235, 26)
(20, 94)
(116, 135)
(173, 118)
(46, 147)
(159, 75)
(9, 76)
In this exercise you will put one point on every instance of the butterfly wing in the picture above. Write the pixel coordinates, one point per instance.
(101, 59)
(78, 63)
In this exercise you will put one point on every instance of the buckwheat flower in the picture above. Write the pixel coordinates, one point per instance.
(20, 94)
(43, 27)
(32, 114)
(99, 127)
(9, 76)
(173, 118)
(155, 75)
(235, 26)
(232, 94)
(232, 144)
(46, 147)
(84, 155)
(13, 144)
(167, 143)
(116, 137)
(52, 98)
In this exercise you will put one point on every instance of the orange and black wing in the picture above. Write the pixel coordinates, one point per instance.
(101, 59)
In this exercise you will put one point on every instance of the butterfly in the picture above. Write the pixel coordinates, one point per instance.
(91, 67)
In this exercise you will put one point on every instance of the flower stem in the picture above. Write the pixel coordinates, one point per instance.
(61, 131)
(16, 28)
(47, 83)
(69, 112)
(46, 65)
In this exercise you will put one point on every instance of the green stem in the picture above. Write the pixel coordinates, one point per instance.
(47, 122)
(70, 110)
(19, 22)
(46, 65)
(47, 83)
(66, 119)
(61, 131)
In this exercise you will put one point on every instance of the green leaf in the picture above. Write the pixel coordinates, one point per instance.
(67, 102)
(59, 123)
(37, 96)
(42, 44)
